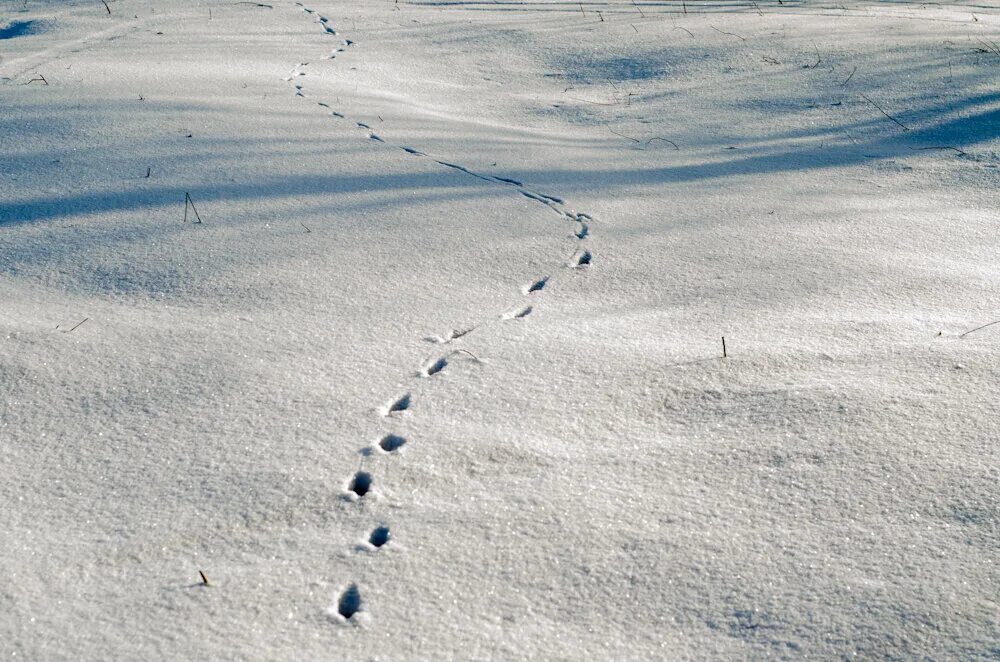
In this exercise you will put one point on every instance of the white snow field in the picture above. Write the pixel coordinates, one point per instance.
(581, 475)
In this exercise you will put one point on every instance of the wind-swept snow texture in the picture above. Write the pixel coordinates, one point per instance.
(439, 373)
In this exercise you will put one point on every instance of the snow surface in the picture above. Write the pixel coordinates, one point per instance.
(578, 475)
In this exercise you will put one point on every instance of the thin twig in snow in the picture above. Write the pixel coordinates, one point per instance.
(641, 142)
(978, 328)
(920, 149)
(465, 351)
(189, 202)
(731, 34)
(819, 58)
(596, 103)
(881, 110)
(79, 324)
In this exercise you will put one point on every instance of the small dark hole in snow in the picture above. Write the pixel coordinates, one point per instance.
(400, 405)
(379, 536)
(361, 483)
(350, 602)
(584, 259)
(391, 442)
(538, 284)
(437, 366)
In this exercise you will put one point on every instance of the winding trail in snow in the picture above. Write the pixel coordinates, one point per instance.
(360, 484)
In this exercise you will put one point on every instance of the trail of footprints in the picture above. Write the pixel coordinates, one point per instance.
(361, 485)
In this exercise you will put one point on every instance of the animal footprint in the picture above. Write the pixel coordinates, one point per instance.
(521, 313)
(452, 335)
(401, 404)
(435, 367)
(360, 485)
(348, 604)
(583, 231)
(379, 537)
(536, 286)
(582, 259)
(391, 443)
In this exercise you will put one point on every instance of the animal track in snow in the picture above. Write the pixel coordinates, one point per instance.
(459, 168)
(379, 537)
(533, 196)
(348, 607)
(520, 313)
(553, 202)
(349, 602)
(399, 405)
(435, 367)
(536, 286)
(582, 259)
(391, 443)
(455, 334)
(440, 364)
(360, 485)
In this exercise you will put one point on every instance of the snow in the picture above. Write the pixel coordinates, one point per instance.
(485, 254)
